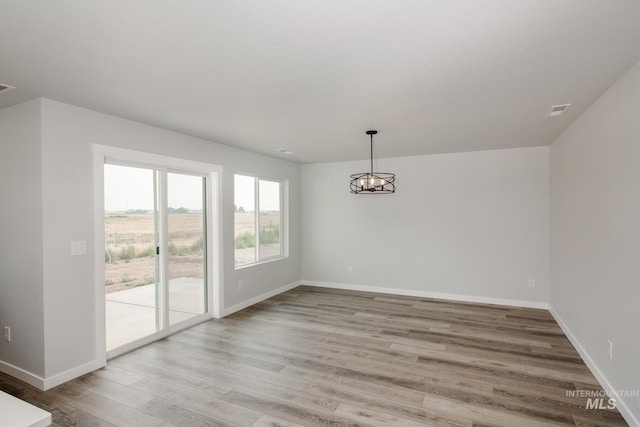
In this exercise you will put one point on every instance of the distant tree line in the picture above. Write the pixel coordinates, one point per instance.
(183, 210)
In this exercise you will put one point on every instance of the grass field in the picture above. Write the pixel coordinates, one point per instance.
(130, 246)
(130, 249)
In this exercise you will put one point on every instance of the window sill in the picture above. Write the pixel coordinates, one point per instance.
(264, 261)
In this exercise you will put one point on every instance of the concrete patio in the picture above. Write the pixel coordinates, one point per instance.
(131, 314)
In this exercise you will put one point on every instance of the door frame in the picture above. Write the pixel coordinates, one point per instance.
(213, 175)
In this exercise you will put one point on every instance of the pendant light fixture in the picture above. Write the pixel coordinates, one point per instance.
(373, 182)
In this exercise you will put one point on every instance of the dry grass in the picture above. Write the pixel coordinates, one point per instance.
(127, 236)
(133, 235)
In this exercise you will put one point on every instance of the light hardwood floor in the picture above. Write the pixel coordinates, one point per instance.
(338, 358)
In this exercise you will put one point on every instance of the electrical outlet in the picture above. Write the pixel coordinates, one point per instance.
(532, 283)
(610, 349)
(240, 284)
(7, 334)
(349, 269)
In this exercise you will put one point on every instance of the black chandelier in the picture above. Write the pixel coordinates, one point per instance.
(373, 182)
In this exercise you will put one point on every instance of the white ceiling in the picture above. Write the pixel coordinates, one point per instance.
(311, 76)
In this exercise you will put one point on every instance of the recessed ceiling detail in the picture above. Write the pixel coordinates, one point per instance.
(558, 110)
(5, 88)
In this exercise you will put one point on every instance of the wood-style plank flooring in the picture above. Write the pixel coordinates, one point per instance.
(322, 357)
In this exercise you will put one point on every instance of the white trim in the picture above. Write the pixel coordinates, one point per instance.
(259, 298)
(69, 374)
(46, 383)
(213, 174)
(100, 344)
(215, 249)
(155, 159)
(284, 218)
(28, 377)
(624, 410)
(427, 294)
(162, 261)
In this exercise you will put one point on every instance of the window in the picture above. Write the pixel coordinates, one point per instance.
(258, 231)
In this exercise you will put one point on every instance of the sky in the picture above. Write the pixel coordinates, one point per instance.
(131, 188)
(244, 193)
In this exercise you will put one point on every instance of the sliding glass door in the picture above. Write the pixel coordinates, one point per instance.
(186, 221)
(155, 252)
(131, 264)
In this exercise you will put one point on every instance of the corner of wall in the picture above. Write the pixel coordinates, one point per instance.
(21, 282)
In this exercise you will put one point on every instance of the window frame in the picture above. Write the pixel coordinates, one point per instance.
(215, 248)
(283, 224)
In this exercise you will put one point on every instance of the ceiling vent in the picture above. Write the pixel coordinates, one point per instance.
(5, 88)
(558, 110)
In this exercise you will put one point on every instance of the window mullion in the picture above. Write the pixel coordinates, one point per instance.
(256, 203)
(281, 231)
(268, 229)
(164, 248)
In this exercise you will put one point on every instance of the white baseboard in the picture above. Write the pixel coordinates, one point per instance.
(427, 294)
(55, 380)
(72, 373)
(23, 375)
(50, 382)
(606, 385)
(259, 298)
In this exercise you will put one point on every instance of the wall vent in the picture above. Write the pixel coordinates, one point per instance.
(558, 110)
(5, 88)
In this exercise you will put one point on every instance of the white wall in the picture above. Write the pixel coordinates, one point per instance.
(595, 234)
(468, 225)
(21, 293)
(67, 214)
